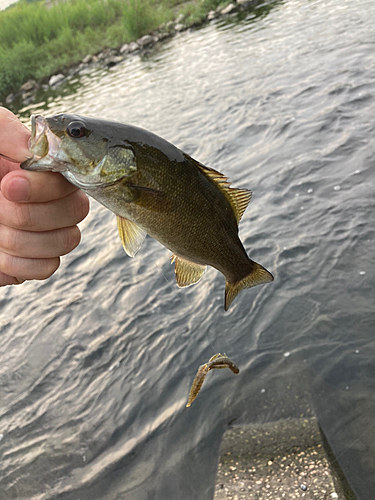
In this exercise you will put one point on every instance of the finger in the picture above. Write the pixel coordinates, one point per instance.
(57, 214)
(5, 279)
(14, 136)
(28, 269)
(23, 186)
(32, 245)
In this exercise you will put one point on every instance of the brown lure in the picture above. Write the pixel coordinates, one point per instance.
(217, 361)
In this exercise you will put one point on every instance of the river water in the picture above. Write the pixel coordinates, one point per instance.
(96, 362)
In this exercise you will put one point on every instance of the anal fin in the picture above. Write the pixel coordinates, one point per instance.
(187, 273)
(131, 235)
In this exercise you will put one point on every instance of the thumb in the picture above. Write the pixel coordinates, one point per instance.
(14, 136)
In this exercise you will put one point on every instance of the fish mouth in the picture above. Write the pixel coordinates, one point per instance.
(45, 146)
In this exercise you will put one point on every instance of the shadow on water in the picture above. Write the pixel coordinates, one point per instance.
(96, 362)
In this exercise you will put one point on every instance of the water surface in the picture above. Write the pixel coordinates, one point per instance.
(96, 362)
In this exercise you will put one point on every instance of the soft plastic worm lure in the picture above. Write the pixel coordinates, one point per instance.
(218, 361)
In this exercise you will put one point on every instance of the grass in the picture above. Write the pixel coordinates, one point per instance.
(38, 40)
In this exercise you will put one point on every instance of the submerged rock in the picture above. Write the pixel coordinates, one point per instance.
(112, 61)
(56, 80)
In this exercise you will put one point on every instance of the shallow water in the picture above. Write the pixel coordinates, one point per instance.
(96, 363)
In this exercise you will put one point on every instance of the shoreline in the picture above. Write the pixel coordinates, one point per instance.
(29, 91)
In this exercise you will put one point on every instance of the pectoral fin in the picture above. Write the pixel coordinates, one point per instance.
(147, 197)
(131, 235)
(187, 273)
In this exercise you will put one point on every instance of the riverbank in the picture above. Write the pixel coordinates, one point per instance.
(41, 44)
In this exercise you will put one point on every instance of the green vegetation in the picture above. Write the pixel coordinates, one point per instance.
(38, 39)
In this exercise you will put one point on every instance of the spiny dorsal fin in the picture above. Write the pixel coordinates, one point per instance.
(131, 235)
(187, 273)
(238, 198)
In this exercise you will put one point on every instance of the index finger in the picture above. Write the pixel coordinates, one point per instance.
(35, 187)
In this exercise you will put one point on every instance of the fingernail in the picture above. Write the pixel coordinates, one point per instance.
(19, 189)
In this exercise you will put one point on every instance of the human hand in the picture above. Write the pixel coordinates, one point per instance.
(39, 211)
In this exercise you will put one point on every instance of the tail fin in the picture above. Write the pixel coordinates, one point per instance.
(257, 276)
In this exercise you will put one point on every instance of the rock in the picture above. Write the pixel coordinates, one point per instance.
(104, 54)
(211, 15)
(133, 46)
(112, 61)
(145, 40)
(163, 36)
(124, 49)
(56, 80)
(89, 59)
(28, 98)
(179, 27)
(228, 9)
(9, 98)
(29, 86)
(179, 19)
(81, 68)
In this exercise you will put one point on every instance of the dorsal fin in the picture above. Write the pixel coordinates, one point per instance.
(131, 235)
(238, 198)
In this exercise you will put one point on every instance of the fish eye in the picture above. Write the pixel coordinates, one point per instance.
(76, 130)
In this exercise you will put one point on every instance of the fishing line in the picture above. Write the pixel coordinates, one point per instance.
(353, 443)
(161, 271)
(10, 159)
(303, 480)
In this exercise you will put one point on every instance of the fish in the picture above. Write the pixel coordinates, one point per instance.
(217, 361)
(153, 188)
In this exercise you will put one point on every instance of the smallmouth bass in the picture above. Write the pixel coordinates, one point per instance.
(153, 188)
(218, 361)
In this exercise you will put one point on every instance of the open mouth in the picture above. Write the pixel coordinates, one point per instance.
(38, 142)
(45, 146)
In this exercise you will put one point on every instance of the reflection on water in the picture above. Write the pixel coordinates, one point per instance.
(96, 362)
